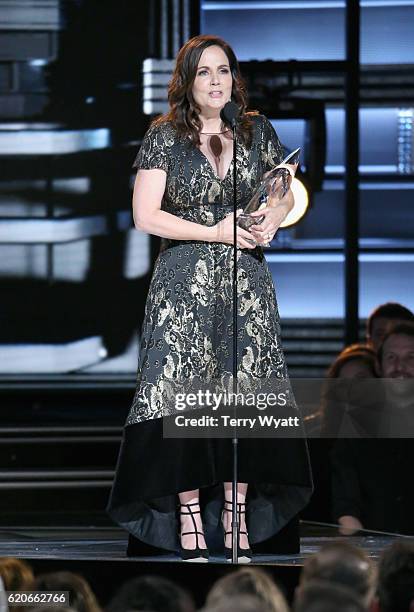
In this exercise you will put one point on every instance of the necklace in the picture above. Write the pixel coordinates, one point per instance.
(215, 133)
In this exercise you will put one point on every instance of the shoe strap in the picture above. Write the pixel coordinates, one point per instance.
(191, 513)
(230, 532)
(241, 506)
(241, 509)
(190, 510)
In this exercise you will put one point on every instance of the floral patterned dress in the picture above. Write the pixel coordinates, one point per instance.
(188, 335)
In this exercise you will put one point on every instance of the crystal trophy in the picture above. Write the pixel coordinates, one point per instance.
(274, 185)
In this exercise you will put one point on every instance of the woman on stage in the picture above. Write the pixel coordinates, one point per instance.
(184, 194)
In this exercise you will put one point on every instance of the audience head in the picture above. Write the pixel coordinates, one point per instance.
(153, 593)
(248, 581)
(320, 596)
(52, 609)
(383, 316)
(345, 565)
(81, 597)
(355, 361)
(396, 353)
(238, 603)
(348, 392)
(396, 579)
(396, 356)
(17, 575)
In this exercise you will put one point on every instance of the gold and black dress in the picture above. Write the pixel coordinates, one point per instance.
(187, 334)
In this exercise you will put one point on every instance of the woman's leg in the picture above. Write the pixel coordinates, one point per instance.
(187, 525)
(241, 499)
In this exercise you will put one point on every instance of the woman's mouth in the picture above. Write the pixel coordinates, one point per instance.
(215, 94)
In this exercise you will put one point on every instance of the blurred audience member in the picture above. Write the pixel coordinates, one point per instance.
(81, 597)
(346, 407)
(251, 581)
(371, 479)
(17, 575)
(343, 564)
(319, 596)
(52, 609)
(238, 603)
(396, 356)
(396, 579)
(344, 410)
(153, 593)
(380, 318)
(355, 361)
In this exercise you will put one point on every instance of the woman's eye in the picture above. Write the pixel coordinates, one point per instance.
(202, 72)
(224, 70)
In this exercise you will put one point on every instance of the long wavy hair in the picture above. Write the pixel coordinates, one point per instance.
(184, 112)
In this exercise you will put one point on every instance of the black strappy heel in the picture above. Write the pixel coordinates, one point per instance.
(244, 555)
(197, 554)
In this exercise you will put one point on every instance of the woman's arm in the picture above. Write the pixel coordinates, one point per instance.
(146, 205)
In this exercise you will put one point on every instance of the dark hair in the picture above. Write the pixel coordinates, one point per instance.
(151, 593)
(81, 597)
(403, 329)
(362, 352)
(390, 310)
(343, 564)
(335, 392)
(183, 108)
(319, 596)
(396, 577)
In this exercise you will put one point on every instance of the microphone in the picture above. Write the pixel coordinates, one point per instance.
(230, 113)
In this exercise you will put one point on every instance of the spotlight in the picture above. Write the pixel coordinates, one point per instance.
(300, 194)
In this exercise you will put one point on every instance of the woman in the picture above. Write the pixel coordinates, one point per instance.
(184, 193)
(351, 397)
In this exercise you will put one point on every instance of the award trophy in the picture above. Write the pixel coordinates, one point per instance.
(274, 185)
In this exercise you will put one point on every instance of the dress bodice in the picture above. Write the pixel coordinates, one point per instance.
(193, 189)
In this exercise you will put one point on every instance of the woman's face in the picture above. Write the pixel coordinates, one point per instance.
(213, 81)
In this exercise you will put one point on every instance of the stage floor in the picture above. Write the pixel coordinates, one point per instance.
(109, 544)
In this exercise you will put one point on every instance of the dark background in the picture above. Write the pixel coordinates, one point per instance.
(73, 271)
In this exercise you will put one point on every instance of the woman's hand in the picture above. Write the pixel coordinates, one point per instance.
(223, 232)
(274, 214)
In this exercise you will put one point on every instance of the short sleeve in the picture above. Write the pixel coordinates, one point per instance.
(155, 150)
(272, 151)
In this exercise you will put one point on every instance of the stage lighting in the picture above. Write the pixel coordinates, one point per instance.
(300, 194)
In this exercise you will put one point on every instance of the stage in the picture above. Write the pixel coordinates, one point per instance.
(99, 554)
(109, 544)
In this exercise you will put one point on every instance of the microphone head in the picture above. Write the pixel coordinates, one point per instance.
(230, 113)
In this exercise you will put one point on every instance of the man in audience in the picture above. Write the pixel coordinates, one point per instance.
(396, 355)
(319, 596)
(372, 478)
(396, 579)
(382, 317)
(154, 593)
(342, 564)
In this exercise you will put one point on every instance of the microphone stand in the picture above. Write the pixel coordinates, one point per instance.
(229, 115)
(234, 515)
